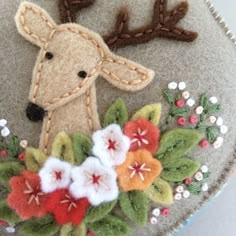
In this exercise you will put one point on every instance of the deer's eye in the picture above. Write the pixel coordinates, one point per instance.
(49, 55)
(82, 74)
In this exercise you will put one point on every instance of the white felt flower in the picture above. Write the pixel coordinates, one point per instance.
(4, 130)
(55, 174)
(94, 181)
(111, 145)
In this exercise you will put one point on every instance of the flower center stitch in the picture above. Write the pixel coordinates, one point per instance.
(58, 175)
(70, 203)
(34, 193)
(111, 144)
(138, 169)
(139, 137)
(96, 180)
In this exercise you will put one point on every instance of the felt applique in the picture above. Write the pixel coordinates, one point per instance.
(86, 57)
(94, 181)
(55, 174)
(139, 171)
(142, 134)
(82, 184)
(68, 8)
(27, 188)
(111, 145)
(66, 208)
(163, 23)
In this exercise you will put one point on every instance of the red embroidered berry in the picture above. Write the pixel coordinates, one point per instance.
(3, 223)
(181, 121)
(188, 181)
(165, 211)
(180, 103)
(21, 156)
(204, 143)
(3, 153)
(193, 119)
(90, 233)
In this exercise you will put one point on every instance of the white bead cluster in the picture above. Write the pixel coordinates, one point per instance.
(199, 177)
(4, 129)
(185, 94)
(155, 214)
(180, 193)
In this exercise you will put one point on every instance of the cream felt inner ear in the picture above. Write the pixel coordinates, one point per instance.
(34, 24)
(124, 74)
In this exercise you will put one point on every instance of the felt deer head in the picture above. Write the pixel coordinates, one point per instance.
(70, 60)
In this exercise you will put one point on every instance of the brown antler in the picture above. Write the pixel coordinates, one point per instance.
(163, 25)
(69, 8)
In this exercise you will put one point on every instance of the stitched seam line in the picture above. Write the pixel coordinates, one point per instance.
(89, 109)
(82, 83)
(48, 127)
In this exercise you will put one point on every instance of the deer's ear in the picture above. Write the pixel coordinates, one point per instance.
(125, 74)
(34, 24)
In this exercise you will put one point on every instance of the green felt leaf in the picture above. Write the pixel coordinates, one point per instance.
(168, 96)
(116, 114)
(213, 109)
(178, 169)
(97, 213)
(110, 225)
(179, 111)
(212, 133)
(66, 229)
(34, 159)
(177, 142)
(204, 101)
(7, 214)
(134, 204)
(70, 230)
(62, 147)
(194, 188)
(151, 112)
(40, 226)
(82, 146)
(160, 192)
(8, 170)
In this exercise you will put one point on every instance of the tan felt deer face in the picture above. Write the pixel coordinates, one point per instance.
(70, 59)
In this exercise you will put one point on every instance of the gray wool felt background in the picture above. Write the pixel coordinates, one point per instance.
(207, 65)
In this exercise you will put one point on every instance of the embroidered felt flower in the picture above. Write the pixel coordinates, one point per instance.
(143, 135)
(94, 181)
(65, 208)
(111, 145)
(55, 175)
(139, 171)
(26, 197)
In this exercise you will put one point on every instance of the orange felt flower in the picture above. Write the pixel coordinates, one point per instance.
(143, 135)
(26, 197)
(138, 171)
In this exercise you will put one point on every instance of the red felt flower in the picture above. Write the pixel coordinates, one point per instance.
(65, 208)
(143, 135)
(26, 197)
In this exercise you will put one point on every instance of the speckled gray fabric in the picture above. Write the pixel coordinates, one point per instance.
(207, 65)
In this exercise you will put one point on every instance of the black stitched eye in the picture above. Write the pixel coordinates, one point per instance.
(49, 55)
(82, 74)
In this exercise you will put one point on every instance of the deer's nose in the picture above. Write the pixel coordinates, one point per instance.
(34, 112)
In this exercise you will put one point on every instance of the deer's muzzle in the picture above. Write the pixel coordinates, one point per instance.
(34, 112)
